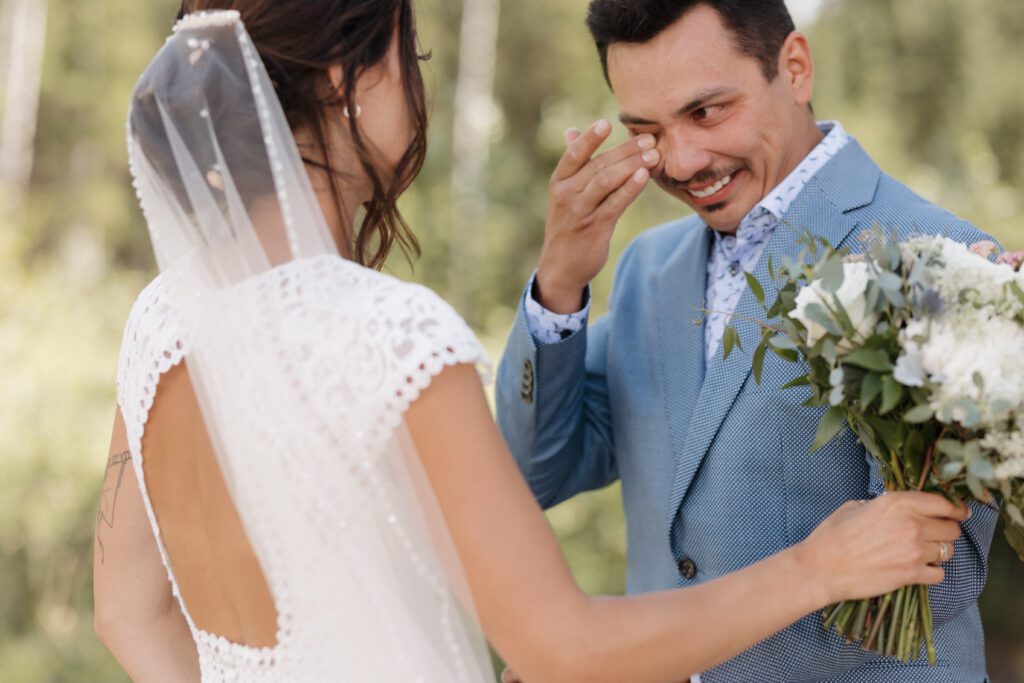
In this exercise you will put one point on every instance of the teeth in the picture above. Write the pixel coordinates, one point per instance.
(714, 189)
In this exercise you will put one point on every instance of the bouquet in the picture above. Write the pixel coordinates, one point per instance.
(917, 347)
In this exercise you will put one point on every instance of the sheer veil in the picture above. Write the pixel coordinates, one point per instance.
(242, 246)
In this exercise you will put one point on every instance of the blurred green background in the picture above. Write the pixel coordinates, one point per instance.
(927, 87)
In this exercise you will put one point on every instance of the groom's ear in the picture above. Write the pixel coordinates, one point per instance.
(797, 66)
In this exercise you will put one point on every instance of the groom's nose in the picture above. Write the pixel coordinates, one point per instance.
(684, 156)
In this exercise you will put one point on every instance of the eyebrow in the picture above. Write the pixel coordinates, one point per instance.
(697, 102)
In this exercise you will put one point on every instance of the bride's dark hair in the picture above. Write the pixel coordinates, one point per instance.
(298, 41)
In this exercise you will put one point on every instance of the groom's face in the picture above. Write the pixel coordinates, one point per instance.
(727, 136)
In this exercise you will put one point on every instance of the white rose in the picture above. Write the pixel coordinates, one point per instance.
(852, 296)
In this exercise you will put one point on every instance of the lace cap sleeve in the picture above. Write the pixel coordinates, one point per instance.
(151, 346)
(370, 343)
(423, 334)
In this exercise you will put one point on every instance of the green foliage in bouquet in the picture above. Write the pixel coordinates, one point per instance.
(865, 326)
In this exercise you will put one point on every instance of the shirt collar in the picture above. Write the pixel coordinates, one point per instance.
(778, 201)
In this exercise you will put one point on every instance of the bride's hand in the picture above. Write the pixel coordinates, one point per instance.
(866, 549)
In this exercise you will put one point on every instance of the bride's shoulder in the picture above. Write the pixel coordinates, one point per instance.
(394, 329)
(407, 319)
(353, 289)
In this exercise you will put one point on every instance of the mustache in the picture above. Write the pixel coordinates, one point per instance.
(706, 177)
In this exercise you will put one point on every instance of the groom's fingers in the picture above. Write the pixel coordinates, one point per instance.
(580, 150)
(630, 152)
(617, 203)
(612, 178)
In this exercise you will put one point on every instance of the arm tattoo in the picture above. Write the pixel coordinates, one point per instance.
(108, 498)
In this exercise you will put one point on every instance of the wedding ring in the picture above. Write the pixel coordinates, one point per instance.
(943, 552)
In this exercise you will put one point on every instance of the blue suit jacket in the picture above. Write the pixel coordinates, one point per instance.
(716, 470)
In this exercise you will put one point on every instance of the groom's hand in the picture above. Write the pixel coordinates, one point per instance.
(586, 197)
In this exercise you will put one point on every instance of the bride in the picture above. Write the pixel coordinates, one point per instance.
(307, 439)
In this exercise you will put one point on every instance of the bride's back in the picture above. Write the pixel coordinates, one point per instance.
(215, 567)
(276, 523)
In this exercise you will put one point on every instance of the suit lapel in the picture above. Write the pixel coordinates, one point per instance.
(848, 182)
(679, 296)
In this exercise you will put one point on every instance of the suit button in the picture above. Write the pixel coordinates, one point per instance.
(687, 569)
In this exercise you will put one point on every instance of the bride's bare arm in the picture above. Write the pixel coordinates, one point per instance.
(136, 615)
(548, 630)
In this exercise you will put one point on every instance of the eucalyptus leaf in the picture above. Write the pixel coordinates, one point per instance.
(892, 393)
(951, 469)
(783, 343)
(895, 297)
(874, 294)
(869, 359)
(951, 447)
(918, 272)
(819, 314)
(1015, 537)
(1015, 515)
(919, 414)
(728, 342)
(983, 470)
(758, 361)
(978, 489)
(801, 381)
(831, 424)
(971, 413)
(832, 274)
(1017, 290)
(755, 287)
(890, 282)
(870, 388)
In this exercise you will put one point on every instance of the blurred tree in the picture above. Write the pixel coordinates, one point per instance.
(22, 37)
(471, 147)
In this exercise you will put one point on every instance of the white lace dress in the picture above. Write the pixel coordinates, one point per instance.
(350, 584)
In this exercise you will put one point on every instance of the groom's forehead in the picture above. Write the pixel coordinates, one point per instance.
(698, 45)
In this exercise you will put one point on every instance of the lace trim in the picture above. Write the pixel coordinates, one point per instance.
(197, 20)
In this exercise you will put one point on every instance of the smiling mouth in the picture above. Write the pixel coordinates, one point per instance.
(711, 191)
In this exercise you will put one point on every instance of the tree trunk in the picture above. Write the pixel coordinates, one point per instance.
(22, 62)
(474, 119)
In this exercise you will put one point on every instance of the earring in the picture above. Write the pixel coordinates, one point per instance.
(359, 111)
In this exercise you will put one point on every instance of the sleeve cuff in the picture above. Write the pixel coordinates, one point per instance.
(552, 328)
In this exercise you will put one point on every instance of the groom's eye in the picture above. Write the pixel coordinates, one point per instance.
(704, 113)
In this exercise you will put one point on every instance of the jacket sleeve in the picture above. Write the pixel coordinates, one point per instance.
(552, 402)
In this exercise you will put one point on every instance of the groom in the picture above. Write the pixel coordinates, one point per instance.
(716, 471)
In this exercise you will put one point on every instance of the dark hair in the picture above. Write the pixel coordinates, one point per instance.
(760, 27)
(298, 41)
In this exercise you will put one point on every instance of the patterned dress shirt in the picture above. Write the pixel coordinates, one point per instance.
(731, 256)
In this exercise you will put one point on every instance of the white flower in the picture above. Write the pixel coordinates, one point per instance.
(909, 368)
(1010, 447)
(852, 296)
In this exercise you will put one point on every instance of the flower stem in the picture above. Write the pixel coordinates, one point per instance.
(875, 636)
(926, 620)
